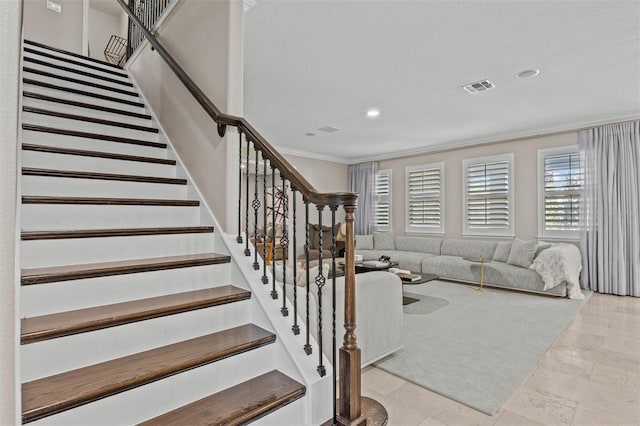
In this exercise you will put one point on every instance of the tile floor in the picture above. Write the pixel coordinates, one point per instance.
(590, 376)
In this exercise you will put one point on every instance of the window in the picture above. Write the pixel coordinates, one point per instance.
(424, 194)
(383, 200)
(560, 180)
(488, 195)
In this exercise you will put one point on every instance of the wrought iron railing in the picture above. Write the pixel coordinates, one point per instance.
(258, 232)
(148, 12)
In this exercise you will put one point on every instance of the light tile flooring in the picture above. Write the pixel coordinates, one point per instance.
(590, 376)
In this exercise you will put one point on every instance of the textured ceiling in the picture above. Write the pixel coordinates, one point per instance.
(310, 64)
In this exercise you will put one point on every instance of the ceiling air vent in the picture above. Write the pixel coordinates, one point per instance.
(480, 86)
(328, 129)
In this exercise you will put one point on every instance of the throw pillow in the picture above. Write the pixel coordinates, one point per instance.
(364, 242)
(542, 246)
(503, 249)
(384, 241)
(522, 252)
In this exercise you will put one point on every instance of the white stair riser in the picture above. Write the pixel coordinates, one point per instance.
(62, 94)
(55, 356)
(75, 142)
(55, 216)
(41, 299)
(72, 187)
(291, 414)
(73, 251)
(54, 65)
(83, 126)
(58, 77)
(159, 397)
(82, 86)
(46, 160)
(88, 112)
(66, 56)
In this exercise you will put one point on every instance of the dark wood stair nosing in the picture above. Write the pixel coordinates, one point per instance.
(87, 135)
(41, 111)
(31, 81)
(105, 269)
(29, 50)
(143, 369)
(30, 171)
(249, 400)
(37, 199)
(66, 52)
(78, 81)
(112, 315)
(97, 154)
(47, 98)
(109, 232)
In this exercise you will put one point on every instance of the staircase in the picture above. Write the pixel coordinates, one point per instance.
(129, 312)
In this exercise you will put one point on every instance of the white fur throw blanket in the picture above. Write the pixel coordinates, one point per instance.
(560, 263)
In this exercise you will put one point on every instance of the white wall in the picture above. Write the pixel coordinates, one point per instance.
(10, 24)
(61, 30)
(101, 27)
(205, 38)
(525, 185)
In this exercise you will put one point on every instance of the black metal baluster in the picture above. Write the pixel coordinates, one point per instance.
(256, 205)
(284, 244)
(307, 347)
(320, 282)
(295, 327)
(265, 278)
(274, 292)
(239, 238)
(333, 209)
(247, 252)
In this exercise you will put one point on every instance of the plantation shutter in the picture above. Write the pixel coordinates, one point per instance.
(563, 177)
(488, 196)
(424, 190)
(383, 200)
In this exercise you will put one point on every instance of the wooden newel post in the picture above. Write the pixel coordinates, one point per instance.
(352, 408)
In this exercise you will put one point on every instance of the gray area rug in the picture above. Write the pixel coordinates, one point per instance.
(476, 348)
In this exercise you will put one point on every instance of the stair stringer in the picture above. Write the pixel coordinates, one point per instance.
(316, 405)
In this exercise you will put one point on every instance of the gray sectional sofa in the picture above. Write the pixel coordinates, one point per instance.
(503, 266)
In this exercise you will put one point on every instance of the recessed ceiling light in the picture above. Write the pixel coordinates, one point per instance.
(310, 134)
(528, 73)
(373, 113)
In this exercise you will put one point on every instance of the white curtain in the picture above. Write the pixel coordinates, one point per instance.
(610, 229)
(362, 179)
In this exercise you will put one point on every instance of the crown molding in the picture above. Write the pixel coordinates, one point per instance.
(312, 155)
(506, 137)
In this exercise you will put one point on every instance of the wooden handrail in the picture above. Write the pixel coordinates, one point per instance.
(277, 160)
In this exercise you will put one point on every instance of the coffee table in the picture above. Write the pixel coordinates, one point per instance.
(406, 300)
(361, 268)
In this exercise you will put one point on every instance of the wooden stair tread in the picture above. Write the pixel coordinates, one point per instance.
(121, 232)
(81, 92)
(51, 326)
(66, 52)
(85, 153)
(119, 73)
(86, 119)
(38, 199)
(84, 105)
(103, 269)
(75, 133)
(239, 404)
(30, 171)
(79, 81)
(50, 395)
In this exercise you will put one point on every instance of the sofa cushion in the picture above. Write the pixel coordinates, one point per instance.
(506, 275)
(410, 260)
(468, 248)
(542, 246)
(314, 237)
(418, 244)
(502, 251)
(383, 241)
(364, 242)
(452, 267)
(522, 252)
